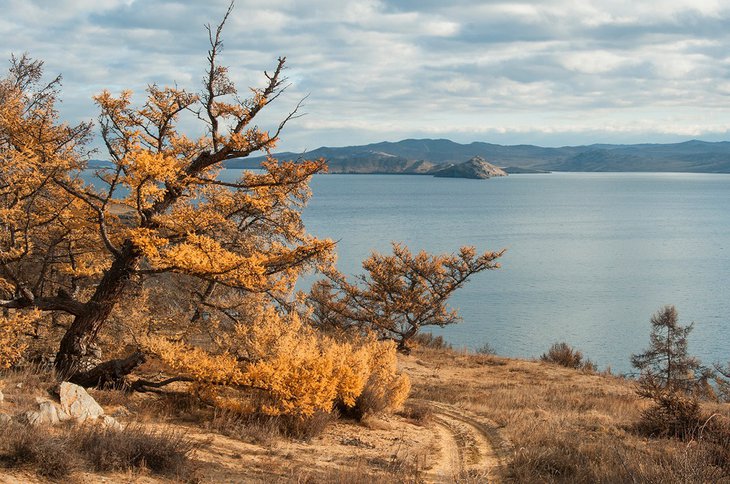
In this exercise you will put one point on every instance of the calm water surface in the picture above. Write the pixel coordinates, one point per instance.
(589, 257)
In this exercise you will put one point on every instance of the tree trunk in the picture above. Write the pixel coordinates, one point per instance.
(85, 327)
(110, 374)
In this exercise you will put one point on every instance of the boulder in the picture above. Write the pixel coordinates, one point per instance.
(77, 403)
(47, 413)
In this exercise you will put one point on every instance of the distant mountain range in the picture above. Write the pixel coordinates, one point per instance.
(422, 156)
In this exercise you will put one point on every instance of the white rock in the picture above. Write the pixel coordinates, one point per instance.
(79, 404)
(2, 397)
(47, 413)
(5, 418)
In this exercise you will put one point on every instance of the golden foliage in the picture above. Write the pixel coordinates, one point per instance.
(197, 269)
(399, 293)
(12, 328)
(293, 368)
(386, 390)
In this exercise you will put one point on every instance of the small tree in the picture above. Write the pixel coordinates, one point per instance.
(399, 294)
(666, 361)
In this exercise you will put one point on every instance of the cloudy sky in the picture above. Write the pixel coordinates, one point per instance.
(549, 72)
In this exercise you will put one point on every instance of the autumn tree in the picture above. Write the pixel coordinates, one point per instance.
(399, 293)
(164, 257)
(69, 247)
(667, 363)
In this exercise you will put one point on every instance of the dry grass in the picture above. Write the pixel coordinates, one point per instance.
(45, 451)
(428, 340)
(417, 412)
(267, 430)
(56, 452)
(165, 452)
(22, 385)
(556, 424)
(564, 425)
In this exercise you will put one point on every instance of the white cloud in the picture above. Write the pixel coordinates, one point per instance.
(497, 71)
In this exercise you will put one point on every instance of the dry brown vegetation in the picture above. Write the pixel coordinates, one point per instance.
(563, 425)
(470, 418)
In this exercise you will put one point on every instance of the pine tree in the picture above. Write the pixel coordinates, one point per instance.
(666, 361)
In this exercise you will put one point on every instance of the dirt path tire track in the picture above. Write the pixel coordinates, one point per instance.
(471, 448)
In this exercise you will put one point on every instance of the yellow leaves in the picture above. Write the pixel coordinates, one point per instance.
(218, 242)
(386, 389)
(147, 241)
(252, 139)
(86, 265)
(400, 293)
(163, 105)
(12, 327)
(197, 363)
(290, 367)
(200, 254)
(12, 253)
(6, 285)
(143, 165)
(227, 110)
(109, 103)
(305, 371)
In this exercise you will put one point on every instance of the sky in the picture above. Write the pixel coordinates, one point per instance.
(547, 72)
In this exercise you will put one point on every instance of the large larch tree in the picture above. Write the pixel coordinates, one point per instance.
(160, 211)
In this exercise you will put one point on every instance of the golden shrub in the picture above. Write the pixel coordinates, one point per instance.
(283, 366)
(386, 390)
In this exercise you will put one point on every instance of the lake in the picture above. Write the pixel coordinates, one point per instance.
(590, 257)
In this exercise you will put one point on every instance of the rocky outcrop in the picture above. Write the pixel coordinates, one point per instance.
(75, 404)
(477, 168)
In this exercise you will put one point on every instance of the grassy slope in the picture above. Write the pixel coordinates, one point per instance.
(547, 423)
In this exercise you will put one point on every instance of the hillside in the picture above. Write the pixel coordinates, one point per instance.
(415, 156)
(471, 418)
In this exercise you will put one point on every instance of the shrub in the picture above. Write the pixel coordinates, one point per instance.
(47, 453)
(418, 413)
(486, 349)
(283, 366)
(428, 340)
(255, 429)
(385, 390)
(163, 452)
(265, 429)
(673, 414)
(676, 414)
(667, 361)
(563, 354)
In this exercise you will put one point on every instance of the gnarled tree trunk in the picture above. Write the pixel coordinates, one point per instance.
(85, 327)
